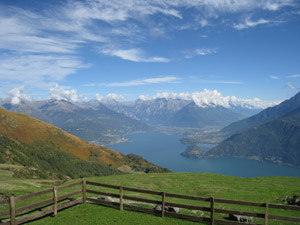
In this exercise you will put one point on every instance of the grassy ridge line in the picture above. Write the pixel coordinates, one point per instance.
(50, 152)
(31, 131)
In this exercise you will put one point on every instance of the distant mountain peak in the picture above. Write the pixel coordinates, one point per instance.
(266, 115)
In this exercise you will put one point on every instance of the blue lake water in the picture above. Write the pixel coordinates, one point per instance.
(164, 150)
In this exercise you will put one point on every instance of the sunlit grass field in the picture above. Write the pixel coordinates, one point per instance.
(263, 189)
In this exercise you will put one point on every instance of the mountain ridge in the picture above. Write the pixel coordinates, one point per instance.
(44, 145)
(96, 124)
(265, 115)
(274, 135)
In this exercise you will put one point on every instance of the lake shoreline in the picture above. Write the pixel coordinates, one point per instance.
(164, 150)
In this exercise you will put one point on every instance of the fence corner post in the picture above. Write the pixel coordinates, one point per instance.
(267, 214)
(212, 201)
(54, 201)
(163, 204)
(83, 191)
(12, 210)
(121, 198)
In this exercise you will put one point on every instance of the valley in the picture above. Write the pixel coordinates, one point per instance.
(198, 98)
(111, 122)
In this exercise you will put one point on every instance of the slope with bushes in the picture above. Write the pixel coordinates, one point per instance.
(30, 142)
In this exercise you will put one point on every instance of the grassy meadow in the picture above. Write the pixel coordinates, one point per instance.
(263, 189)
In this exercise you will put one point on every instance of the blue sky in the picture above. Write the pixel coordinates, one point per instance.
(127, 48)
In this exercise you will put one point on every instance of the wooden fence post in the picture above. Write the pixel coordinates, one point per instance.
(54, 201)
(163, 204)
(83, 191)
(212, 210)
(121, 198)
(267, 214)
(12, 210)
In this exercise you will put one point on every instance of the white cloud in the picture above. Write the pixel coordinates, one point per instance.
(118, 10)
(214, 98)
(41, 47)
(34, 55)
(64, 93)
(248, 23)
(23, 33)
(274, 77)
(205, 51)
(199, 51)
(204, 22)
(17, 96)
(37, 70)
(155, 80)
(110, 96)
(135, 55)
(294, 76)
(272, 6)
(291, 86)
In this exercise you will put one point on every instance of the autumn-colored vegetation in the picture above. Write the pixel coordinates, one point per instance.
(25, 139)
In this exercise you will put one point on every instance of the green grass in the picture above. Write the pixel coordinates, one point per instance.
(90, 214)
(265, 189)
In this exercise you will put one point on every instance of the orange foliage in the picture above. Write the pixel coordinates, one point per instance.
(30, 130)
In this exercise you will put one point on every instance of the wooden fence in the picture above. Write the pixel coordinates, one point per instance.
(57, 203)
(53, 204)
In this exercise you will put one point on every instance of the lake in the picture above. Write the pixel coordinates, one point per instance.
(164, 150)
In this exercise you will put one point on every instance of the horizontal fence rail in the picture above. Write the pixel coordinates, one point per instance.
(17, 215)
(211, 207)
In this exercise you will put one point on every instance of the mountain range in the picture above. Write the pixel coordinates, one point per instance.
(180, 112)
(271, 135)
(264, 116)
(47, 151)
(107, 122)
(194, 116)
(96, 124)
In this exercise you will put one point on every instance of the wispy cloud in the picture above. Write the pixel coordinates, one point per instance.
(291, 86)
(37, 70)
(205, 51)
(23, 31)
(250, 23)
(43, 46)
(156, 80)
(199, 51)
(135, 55)
(274, 77)
(294, 76)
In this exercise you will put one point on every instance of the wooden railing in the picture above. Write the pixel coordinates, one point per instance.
(53, 204)
(210, 207)
(211, 202)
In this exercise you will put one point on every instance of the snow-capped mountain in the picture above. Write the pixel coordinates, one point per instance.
(198, 109)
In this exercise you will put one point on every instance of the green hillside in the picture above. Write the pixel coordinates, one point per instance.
(47, 151)
(277, 141)
(264, 116)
